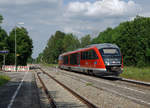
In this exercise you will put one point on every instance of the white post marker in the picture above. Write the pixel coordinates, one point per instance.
(16, 92)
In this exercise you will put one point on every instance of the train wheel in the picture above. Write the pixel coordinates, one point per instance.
(70, 69)
(90, 72)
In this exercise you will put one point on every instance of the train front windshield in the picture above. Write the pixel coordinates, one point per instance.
(111, 56)
(112, 51)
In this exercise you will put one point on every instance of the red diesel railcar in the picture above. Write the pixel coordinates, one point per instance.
(99, 59)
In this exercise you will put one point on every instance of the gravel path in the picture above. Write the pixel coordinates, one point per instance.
(101, 97)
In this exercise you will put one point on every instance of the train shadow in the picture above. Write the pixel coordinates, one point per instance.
(111, 78)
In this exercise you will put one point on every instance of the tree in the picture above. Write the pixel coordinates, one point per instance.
(24, 46)
(70, 43)
(104, 37)
(58, 44)
(39, 59)
(1, 19)
(86, 40)
(54, 48)
(133, 38)
(134, 41)
(3, 43)
(3, 38)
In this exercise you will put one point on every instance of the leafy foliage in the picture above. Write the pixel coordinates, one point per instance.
(24, 46)
(70, 43)
(54, 48)
(1, 19)
(39, 58)
(57, 44)
(133, 38)
(3, 44)
(86, 40)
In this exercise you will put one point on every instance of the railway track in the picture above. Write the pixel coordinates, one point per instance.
(51, 101)
(50, 98)
(136, 82)
(120, 79)
(136, 92)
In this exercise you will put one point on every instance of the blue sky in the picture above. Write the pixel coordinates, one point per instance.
(43, 18)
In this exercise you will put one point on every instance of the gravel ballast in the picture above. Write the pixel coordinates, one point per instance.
(101, 97)
(62, 98)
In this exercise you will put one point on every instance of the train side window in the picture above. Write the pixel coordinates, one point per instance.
(71, 59)
(65, 58)
(94, 55)
(74, 59)
(84, 56)
(90, 53)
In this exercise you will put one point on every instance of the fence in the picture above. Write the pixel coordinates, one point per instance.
(12, 68)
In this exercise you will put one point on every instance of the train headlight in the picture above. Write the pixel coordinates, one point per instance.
(106, 61)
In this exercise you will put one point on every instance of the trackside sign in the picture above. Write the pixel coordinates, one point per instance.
(4, 51)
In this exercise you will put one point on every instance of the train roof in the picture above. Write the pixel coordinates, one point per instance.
(98, 46)
(104, 45)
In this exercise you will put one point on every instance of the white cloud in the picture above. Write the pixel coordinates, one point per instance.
(103, 8)
(72, 30)
(145, 14)
(22, 2)
(43, 17)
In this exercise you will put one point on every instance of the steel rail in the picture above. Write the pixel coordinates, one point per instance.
(51, 101)
(142, 83)
(89, 104)
(135, 82)
(36, 87)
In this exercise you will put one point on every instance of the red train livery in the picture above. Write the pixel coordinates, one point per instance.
(98, 59)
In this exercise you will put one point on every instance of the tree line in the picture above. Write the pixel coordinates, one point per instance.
(7, 42)
(133, 38)
(57, 44)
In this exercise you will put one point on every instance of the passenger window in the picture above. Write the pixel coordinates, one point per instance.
(65, 58)
(94, 55)
(88, 55)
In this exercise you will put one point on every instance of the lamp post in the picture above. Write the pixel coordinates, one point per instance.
(15, 50)
(20, 23)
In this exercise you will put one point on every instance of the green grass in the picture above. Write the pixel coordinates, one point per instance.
(142, 74)
(88, 84)
(51, 65)
(3, 79)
